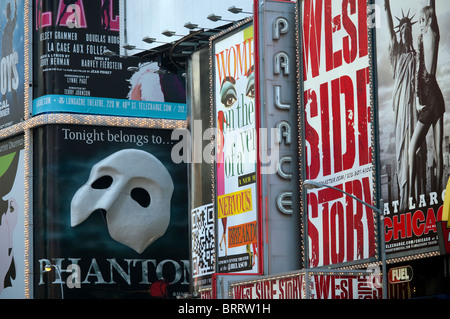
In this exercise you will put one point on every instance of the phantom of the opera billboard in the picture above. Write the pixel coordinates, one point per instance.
(236, 180)
(110, 213)
(12, 62)
(338, 131)
(12, 216)
(77, 62)
(412, 57)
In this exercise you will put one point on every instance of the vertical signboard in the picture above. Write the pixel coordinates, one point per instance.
(202, 218)
(74, 73)
(12, 219)
(12, 62)
(279, 118)
(414, 136)
(338, 130)
(233, 86)
(110, 213)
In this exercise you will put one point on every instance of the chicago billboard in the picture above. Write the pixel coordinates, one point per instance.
(414, 126)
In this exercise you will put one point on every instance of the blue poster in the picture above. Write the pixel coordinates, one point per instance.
(74, 73)
(12, 62)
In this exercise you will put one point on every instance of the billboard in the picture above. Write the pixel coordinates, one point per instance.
(73, 74)
(414, 147)
(12, 62)
(201, 195)
(338, 133)
(236, 178)
(12, 216)
(279, 155)
(326, 285)
(110, 213)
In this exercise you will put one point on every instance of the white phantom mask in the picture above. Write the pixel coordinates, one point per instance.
(134, 189)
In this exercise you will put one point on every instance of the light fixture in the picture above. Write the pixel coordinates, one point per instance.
(109, 53)
(133, 68)
(49, 268)
(191, 26)
(149, 40)
(128, 46)
(235, 10)
(169, 33)
(215, 18)
(137, 68)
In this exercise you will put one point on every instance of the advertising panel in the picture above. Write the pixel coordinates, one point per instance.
(12, 219)
(73, 73)
(322, 286)
(278, 43)
(202, 218)
(12, 62)
(338, 131)
(110, 213)
(237, 226)
(414, 136)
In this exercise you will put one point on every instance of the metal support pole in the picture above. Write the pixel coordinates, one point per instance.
(308, 184)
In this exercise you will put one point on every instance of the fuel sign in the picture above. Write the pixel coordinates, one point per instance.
(400, 274)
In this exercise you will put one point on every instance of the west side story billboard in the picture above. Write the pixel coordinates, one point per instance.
(338, 130)
(413, 93)
(72, 73)
(12, 62)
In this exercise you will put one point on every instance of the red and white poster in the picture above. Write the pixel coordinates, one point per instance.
(321, 286)
(338, 131)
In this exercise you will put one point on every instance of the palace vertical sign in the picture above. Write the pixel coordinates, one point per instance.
(279, 151)
(337, 124)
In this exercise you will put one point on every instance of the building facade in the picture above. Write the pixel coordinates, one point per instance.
(148, 157)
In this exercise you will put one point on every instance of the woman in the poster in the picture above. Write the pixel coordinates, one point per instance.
(430, 104)
(402, 57)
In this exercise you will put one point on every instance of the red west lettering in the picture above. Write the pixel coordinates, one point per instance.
(323, 286)
(350, 42)
(331, 25)
(312, 24)
(353, 44)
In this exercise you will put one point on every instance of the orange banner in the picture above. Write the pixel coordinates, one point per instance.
(243, 234)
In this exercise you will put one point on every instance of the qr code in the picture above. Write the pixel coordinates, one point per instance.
(203, 245)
